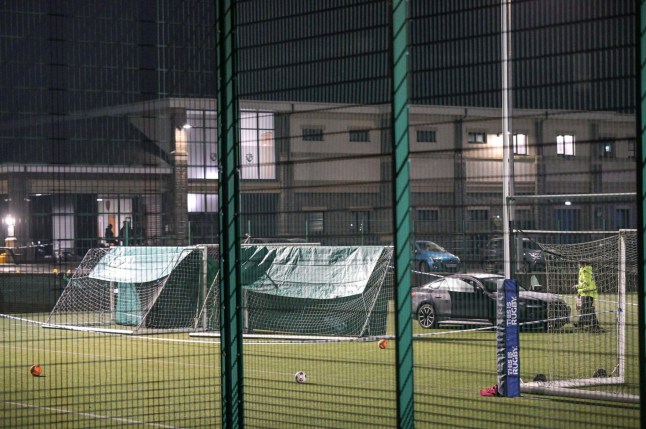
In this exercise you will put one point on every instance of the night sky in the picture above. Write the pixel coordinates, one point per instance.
(59, 57)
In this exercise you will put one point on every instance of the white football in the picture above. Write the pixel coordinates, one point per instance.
(300, 377)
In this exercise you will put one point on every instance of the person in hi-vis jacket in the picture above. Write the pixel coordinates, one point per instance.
(586, 290)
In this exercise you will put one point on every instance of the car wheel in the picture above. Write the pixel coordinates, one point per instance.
(426, 316)
(423, 267)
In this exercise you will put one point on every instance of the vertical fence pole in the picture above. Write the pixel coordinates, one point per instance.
(640, 142)
(229, 203)
(401, 210)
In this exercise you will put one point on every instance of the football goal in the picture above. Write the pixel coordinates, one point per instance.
(305, 290)
(310, 291)
(579, 361)
(137, 289)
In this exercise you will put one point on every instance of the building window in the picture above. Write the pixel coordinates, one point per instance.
(359, 136)
(622, 218)
(313, 134)
(567, 220)
(428, 215)
(631, 150)
(565, 145)
(201, 139)
(606, 148)
(520, 144)
(426, 136)
(477, 138)
(524, 218)
(257, 148)
(360, 222)
(315, 224)
(478, 214)
(202, 203)
(203, 218)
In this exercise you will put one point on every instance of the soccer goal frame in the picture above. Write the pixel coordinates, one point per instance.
(561, 260)
(311, 293)
(137, 290)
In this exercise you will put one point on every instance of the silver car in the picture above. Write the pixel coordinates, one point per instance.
(470, 299)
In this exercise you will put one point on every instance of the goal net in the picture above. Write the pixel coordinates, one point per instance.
(294, 290)
(577, 360)
(323, 291)
(137, 289)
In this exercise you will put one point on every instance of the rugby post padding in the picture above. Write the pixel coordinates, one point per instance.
(507, 340)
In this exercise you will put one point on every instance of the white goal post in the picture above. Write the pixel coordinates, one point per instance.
(581, 362)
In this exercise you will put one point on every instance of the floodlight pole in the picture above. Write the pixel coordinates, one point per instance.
(507, 150)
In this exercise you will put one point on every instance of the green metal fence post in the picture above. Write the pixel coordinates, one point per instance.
(640, 136)
(401, 211)
(229, 204)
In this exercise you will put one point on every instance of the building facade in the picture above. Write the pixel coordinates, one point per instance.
(320, 172)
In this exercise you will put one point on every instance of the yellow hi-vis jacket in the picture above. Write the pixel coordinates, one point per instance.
(587, 285)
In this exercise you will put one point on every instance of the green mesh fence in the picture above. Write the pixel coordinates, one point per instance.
(347, 125)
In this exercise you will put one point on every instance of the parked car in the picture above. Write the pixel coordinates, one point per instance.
(471, 299)
(431, 257)
(492, 256)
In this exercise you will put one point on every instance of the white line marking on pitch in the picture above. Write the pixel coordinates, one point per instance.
(92, 415)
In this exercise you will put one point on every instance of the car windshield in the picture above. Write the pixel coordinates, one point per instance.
(491, 284)
(430, 246)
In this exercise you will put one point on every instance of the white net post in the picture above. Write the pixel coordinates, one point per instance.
(627, 240)
(204, 288)
(113, 292)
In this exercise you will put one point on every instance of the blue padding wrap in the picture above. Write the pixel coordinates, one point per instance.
(508, 347)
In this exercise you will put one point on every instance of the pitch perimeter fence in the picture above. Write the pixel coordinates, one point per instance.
(350, 125)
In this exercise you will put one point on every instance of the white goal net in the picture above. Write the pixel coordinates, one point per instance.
(579, 360)
(137, 289)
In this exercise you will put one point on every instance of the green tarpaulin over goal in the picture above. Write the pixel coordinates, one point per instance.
(309, 272)
(302, 289)
(316, 290)
(158, 287)
(126, 264)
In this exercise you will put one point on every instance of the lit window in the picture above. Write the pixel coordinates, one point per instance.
(520, 144)
(257, 148)
(565, 145)
(201, 140)
(202, 203)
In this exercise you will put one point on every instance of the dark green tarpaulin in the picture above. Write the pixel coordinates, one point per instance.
(316, 290)
(316, 272)
(162, 285)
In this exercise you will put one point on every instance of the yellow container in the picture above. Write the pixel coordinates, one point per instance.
(3, 258)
